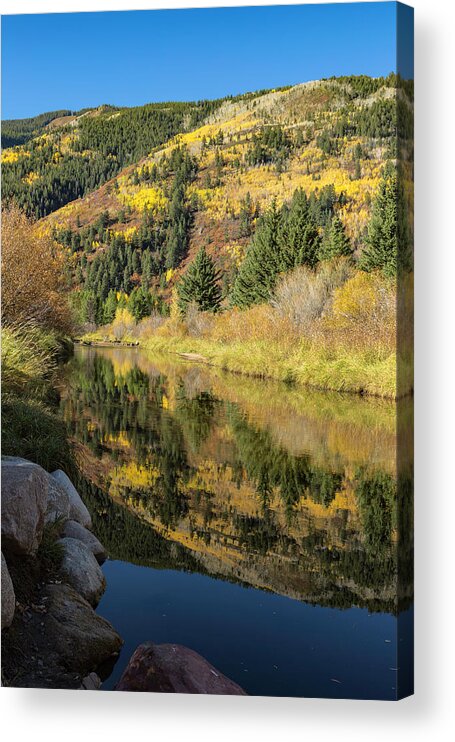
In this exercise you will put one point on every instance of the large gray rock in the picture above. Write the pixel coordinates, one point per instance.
(58, 502)
(73, 529)
(24, 502)
(81, 570)
(91, 682)
(78, 511)
(80, 639)
(8, 597)
(172, 668)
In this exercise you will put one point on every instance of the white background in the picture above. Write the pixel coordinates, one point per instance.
(55, 715)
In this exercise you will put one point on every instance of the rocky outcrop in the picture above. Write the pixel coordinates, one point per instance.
(172, 668)
(73, 529)
(8, 597)
(58, 502)
(24, 503)
(81, 570)
(77, 509)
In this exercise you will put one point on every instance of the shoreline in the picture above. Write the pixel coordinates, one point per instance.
(227, 360)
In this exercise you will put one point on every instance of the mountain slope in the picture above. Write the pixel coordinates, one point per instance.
(180, 176)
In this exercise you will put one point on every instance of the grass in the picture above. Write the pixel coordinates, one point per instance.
(50, 551)
(342, 371)
(30, 427)
(331, 329)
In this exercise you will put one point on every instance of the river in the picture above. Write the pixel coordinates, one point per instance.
(252, 521)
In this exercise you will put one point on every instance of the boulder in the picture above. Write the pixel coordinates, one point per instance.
(81, 570)
(73, 529)
(77, 511)
(58, 502)
(8, 597)
(172, 668)
(91, 682)
(80, 639)
(24, 502)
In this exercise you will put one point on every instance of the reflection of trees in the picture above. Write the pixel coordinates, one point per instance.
(195, 416)
(377, 497)
(271, 467)
(126, 415)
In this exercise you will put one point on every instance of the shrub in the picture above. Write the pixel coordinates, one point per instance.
(303, 295)
(123, 324)
(197, 323)
(33, 286)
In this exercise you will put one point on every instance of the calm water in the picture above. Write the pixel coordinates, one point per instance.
(250, 521)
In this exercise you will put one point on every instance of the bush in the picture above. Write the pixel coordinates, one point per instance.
(197, 323)
(149, 325)
(304, 295)
(123, 324)
(33, 285)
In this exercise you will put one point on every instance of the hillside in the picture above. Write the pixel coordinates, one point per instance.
(134, 195)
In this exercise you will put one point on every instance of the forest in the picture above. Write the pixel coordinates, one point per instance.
(276, 218)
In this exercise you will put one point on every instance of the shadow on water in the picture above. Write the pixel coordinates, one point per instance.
(253, 522)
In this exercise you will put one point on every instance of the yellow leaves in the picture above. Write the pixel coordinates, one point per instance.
(127, 234)
(148, 197)
(169, 274)
(30, 178)
(236, 252)
(358, 296)
(13, 155)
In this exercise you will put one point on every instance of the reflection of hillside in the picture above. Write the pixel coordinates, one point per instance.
(265, 493)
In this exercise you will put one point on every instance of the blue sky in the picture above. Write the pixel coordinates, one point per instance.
(77, 60)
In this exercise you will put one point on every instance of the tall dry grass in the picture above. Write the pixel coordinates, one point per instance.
(331, 328)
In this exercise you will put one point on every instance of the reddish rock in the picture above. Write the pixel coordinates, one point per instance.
(171, 668)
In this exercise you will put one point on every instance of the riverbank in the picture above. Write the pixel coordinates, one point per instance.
(341, 370)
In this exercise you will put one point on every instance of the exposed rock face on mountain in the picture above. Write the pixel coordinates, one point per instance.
(171, 668)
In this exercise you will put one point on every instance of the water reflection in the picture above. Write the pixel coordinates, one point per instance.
(276, 488)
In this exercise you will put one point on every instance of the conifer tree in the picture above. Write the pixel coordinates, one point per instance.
(387, 241)
(263, 262)
(110, 305)
(335, 243)
(140, 303)
(200, 284)
(300, 237)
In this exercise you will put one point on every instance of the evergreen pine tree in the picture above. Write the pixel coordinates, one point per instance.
(387, 241)
(263, 262)
(110, 305)
(200, 284)
(335, 242)
(140, 303)
(300, 237)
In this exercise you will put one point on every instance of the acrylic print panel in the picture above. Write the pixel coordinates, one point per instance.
(207, 351)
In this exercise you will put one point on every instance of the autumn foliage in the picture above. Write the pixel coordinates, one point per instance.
(33, 287)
